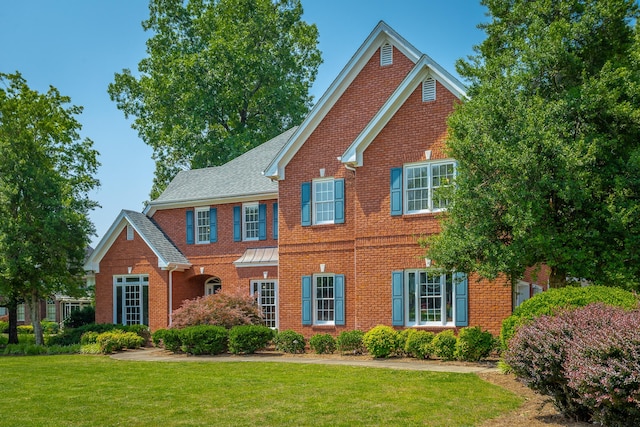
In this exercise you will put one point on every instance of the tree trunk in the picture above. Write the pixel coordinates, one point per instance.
(557, 278)
(13, 321)
(34, 309)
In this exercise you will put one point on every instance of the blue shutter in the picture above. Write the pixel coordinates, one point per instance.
(461, 283)
(237, 223)
(213, 224)
(338, 201)
(275, 221)
(262, 222)
(306, 300)
(396, 191)
(397, 298)
(338, 299)
(190, 234)
(305, 201)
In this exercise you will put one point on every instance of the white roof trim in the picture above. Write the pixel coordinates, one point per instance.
(426, 67)
(93, 262)
(381, 33)
(152, 207)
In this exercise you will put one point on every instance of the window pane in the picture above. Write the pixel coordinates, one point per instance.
(202, 224)
(324, 299)
(266, 294)
(442, 176)
(412, 297)
(417, 188)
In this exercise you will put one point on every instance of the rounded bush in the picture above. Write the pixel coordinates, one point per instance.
(403, 336)
(554, 300)
(85, 316)
(89, 337)
(249, 338)
(171, 340)
(49, 328)
(381, 341)
(25, 329)
(474, 344)
(224, 308)
(4, 341)
(444, 345)
(322, 343)
(350, 342)
(418, 344)
(290, 341)
(117, 339)
(204, 339)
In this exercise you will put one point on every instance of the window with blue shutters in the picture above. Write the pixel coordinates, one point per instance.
(323, 299)
(322, 202)
(422, 298)
(202, 225)
(420, 187)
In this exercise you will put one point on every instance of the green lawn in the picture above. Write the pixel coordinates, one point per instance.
(98, 391)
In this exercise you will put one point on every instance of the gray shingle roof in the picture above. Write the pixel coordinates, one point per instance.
(239, 177)
(155, 238)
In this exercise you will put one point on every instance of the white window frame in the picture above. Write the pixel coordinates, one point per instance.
(256, 290)
(212, 285)
(130, 280)
(4, 311)
(315, 194)
(429, 189)
(445, 280)
(20, 312)
(330, 307)
(51, 310)
(204, 227)
(255, 224)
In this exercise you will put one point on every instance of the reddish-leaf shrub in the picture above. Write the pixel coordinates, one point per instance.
(587, 360)
(223, 308)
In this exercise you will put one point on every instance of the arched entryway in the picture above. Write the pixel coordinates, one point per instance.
(212, 285)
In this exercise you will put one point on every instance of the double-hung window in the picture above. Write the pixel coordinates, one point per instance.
(250, 221)
(323, 299)
(424, 298)
(266, 294)
(202, 225)
(417, 188)
(322, 201)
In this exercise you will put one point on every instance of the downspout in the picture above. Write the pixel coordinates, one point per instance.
(171, 294)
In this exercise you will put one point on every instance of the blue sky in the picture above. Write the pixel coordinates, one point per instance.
(78, 45)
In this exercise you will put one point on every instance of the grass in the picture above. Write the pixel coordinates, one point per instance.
(85, 390)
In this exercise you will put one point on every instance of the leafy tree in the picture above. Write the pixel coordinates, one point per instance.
(46, 172)
(548, 145)
(221, 77)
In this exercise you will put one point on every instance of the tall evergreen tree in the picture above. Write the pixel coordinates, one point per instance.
(221, 77)
(46, 173)
(548, 145)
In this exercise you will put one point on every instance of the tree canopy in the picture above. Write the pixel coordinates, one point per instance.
(548, 145)
(221, 77)
(46, 173)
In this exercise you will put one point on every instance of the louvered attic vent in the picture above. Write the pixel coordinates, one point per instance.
(428, 89)
(386, 54)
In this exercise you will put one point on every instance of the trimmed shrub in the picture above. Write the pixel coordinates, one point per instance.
(158, 336)
(117, 340)
(381, 341)
(418, 344)
(350, 342)
(89, 337)
(554, 300)
(77, 318)
(224, 308)
(49, 328)
(4, 327)
(403, 336)
(444, 345)
(322, 343)
(4, 341)
(72, 336)
(290, 341)
(25, 329)
(249, 338)
(172, 339)
(474, 344)
(204, 339)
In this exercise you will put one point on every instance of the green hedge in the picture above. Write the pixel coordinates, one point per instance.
(248, 339)
(290, 341)
(381, 341)
(549, 302)
(204, 339)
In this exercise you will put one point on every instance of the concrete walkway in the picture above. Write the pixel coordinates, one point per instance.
(159, 355)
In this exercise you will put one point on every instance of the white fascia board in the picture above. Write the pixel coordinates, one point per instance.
(425, 67)
(174, 266)
(152, 207)
(380, 34)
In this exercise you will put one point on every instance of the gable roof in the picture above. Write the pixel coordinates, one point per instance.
(381, 33)
(240, 179)
(426, 67)
(169, 256)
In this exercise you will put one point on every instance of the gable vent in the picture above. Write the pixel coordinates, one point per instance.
(386, 54)
(429, 89)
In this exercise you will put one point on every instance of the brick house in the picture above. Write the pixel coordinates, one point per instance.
(320, 223)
